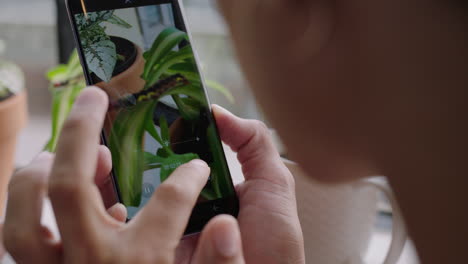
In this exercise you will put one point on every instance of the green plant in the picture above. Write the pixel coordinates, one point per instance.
(66, 82)
(99, 50)
(166, 61)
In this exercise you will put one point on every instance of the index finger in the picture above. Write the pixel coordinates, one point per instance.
(72, 191)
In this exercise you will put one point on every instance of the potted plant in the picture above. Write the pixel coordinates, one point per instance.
(13, 116)
(116, 63)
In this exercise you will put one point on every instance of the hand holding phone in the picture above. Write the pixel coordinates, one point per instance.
(88, 233)
(159, 118)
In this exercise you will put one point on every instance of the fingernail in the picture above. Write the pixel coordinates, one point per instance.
(227, 240)
(89, 96)
(221, 109)
(199, 163)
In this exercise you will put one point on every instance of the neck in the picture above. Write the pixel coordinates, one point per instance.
(430, 182)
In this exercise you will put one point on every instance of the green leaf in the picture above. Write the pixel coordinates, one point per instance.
(187, 69)
(164, 132)
(189, 90)
(220, 177)
(126, 145)
(100, 51)
(118, 21)
(74, 66)
(163, 152)
(209, 194)
(62, 103)
(66, 72)
(171, 163)
(57, 74)
(176, 57)
(189, 108)
(91, 19)
(151, 158)
(190, 72)
(164, 43)
(152, 131)
(101, 58)
(67, 81)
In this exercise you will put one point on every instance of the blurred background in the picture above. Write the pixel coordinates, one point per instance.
(37, 36)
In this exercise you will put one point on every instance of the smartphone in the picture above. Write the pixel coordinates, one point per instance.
(139, 52)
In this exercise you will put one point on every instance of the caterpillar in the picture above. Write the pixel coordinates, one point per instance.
(152, 93)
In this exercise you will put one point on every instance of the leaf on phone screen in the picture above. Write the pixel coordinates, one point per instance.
(220, 180)
(188, 90)
(101, 58)
(152, 131)
(166, 41)
(100, 51)
(167, 62)
(164, 132)
(187, 69)
(152, 161)
(188, 107)
(126, 145)
(118, 21)
(171, 163)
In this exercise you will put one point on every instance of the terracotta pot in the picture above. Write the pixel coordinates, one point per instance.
(13, 117)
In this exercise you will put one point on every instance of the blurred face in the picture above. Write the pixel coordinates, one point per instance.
(353, 86)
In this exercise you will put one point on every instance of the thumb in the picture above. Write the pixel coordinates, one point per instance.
(220, 242)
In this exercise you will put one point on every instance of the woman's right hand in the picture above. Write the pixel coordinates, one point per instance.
(88, 233)
(268, 218)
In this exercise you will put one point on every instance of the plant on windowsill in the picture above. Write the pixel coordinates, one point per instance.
(13, 116)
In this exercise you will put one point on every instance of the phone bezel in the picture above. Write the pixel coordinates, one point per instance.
(202, 212)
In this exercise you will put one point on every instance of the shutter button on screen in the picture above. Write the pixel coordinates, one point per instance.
(216, 208)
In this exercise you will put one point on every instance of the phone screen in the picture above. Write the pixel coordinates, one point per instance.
(159, 116)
